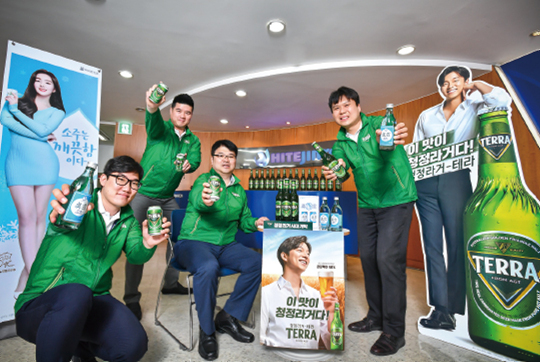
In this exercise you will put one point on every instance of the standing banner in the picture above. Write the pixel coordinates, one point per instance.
(481, 248)
(50, 110)
(302, 284)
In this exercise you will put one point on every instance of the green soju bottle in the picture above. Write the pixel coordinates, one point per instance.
(332, 163)
(388, 126)
(267, 180)
(303, 180)
(329, 185)
(322, 182)
(279, 200)
(273, 180)
(294, 200)
(309, 181)
(338, 185)
(80, 193)
(336, 330)
(297, 179)
(315, 182)
(324, 215)
(502, 247)
(336, 216)
(251, 181)
(256, 180)
(286, 203)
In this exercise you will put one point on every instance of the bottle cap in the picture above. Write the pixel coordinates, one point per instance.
(390, 105)
(324, 198)
(336, 198)
(92, 165)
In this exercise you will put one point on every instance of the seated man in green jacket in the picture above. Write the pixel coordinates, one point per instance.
(206, 244)
(386, 195)
(66, 308)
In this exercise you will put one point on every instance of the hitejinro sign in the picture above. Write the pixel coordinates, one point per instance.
(281, 156)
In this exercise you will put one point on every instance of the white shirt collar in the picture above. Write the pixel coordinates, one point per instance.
(354, 137)
(180, 135)
(109, 220)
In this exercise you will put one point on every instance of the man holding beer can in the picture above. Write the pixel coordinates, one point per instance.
(206, 244)
(66, 309)
(386, 195)
(164, 169)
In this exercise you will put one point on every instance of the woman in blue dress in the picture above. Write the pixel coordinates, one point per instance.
(32, 166)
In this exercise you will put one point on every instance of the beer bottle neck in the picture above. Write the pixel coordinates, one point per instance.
(497, 156)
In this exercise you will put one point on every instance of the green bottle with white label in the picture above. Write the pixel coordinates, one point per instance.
(332, 163)
(336, 330)
(80, 193)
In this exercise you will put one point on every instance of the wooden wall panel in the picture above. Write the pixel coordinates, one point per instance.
(408, 113)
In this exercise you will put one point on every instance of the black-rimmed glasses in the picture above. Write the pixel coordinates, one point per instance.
(221, 156)
(123, 181)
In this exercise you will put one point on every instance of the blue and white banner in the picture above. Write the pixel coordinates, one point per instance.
(50, 126)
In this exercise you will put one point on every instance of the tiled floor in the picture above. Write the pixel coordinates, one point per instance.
(163, 348)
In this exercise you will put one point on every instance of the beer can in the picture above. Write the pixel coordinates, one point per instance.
(180, 158)
(215, 186)
(158, 93)
(154, 216)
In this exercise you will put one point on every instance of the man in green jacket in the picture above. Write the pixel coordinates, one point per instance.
(206, 244)
(66, 308)
(162, 175)
(386, 195)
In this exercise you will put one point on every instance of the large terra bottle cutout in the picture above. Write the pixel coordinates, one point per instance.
(502, 235)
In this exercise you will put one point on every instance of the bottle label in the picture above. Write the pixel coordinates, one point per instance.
(504, 268)
(337, 168)
(304, 216)
(77, 207)
(294, 210)
(496, 145)
(286, 208)
(336, 338)
(303, 184)
(251, 184)
(278, 208)
(316, 184)
(335, 221)
(325, 220)
(387, 136)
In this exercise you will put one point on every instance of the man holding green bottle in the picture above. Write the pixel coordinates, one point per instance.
(386, 195)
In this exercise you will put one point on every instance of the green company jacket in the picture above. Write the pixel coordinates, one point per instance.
(382, 178)
(162, 145)
(85, 255)
(218, 223)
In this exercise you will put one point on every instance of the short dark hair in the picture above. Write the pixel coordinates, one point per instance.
(225, 143)
(183, 99)
(123, 164)
(464, 72)
(346, 92)
(289, 244)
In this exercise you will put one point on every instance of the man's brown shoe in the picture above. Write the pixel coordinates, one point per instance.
(364, 326)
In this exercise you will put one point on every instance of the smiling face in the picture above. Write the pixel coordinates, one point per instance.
(181, 115)
(453, 86)
(347, 114)
(223, 161)
(115, 197)
(298, 259)
(44, 85)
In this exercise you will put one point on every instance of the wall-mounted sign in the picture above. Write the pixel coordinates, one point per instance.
(281, 156)
(125, 127)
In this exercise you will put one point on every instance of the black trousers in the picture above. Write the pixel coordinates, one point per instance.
(69, 321)
(441, 202)
(383, 235)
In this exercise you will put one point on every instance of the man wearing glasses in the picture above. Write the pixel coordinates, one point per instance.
(66, 308)
(206, 244)
(165, 141)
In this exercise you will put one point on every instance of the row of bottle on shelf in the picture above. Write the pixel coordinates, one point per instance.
(258, 181)
(288, 209)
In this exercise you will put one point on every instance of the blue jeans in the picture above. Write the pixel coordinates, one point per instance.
(69, 321)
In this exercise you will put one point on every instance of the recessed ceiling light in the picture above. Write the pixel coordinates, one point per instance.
(276, 26)
(247, 126)
(288, 122)
(535, 33)
(406, 49)
(224, 121)
(126, 74)
(139, 109)
(241, 93)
